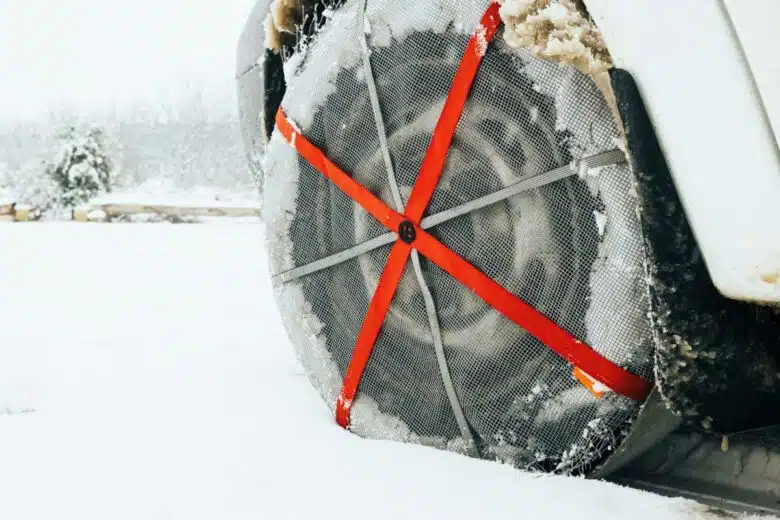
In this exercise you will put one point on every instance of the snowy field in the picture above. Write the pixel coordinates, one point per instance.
(144, 374)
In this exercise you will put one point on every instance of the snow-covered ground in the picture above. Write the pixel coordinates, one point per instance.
(144, 374)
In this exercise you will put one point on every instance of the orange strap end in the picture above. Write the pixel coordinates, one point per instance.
(594, 387)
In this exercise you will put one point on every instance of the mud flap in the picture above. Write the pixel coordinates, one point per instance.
(717, 359)
(654, 423)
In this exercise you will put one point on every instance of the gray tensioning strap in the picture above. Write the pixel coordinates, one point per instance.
(606, 158)
(430, 305)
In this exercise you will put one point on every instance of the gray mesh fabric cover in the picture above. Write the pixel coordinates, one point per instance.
(572, 249)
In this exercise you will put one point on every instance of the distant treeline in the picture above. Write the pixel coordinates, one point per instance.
(187, 151)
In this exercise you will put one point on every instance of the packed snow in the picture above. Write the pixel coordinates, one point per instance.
(557, 30)
(145, 374)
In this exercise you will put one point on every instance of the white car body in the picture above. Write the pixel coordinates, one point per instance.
(710, 80)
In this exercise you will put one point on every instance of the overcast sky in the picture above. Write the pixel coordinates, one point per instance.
(87, 55)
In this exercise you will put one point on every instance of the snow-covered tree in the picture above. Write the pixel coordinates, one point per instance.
(31, 185)
(82, 168)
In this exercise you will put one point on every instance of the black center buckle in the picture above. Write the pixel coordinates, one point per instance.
(406, 232)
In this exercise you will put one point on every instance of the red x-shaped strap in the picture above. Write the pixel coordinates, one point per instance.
(411, 235)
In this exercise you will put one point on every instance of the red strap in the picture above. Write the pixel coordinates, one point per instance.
(534, 322)
(377, 310)
(371, 203)
(436, 156)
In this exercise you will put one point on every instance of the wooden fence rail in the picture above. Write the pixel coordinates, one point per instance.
(10, 212)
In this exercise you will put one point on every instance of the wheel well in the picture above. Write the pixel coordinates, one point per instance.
(309, 18)
(717, 359)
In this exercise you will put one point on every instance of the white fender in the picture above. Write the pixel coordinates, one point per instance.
(712, 123)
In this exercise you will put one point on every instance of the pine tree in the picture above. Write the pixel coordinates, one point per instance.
(82, 168)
